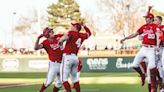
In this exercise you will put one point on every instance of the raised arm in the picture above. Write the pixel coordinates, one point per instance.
(37, 45)
(149, 9)
(87, 30)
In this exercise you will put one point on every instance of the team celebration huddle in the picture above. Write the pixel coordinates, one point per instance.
(82, 46)
(151, 52)
(62, 51)
(63, 58)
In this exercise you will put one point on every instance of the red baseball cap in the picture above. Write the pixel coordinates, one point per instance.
(149, 15)
(77, 25)
(46, 31)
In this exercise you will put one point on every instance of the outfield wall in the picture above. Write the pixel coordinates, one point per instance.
(90, 64)
(107, 64)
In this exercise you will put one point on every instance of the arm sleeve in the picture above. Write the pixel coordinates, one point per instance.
(70, 33)
(87, 30)
(43, 43)
(84, 35)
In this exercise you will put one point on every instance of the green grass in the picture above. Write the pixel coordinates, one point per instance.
(22, 75)
(84, 87)
(43, 75)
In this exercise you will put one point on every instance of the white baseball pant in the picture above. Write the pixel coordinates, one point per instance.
(53, 73)
(145, 52)
(149, 54)
(69, 67)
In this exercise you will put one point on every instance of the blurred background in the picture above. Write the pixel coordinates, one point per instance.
(22, 21)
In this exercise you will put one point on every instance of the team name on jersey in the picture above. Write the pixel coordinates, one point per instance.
(146, 31)
(55, 46)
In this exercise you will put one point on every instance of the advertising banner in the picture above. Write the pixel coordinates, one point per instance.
(104, 64)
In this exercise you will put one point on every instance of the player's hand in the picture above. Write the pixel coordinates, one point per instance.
(82, 23)
(150, 7)
(122, 41)
(40, 36)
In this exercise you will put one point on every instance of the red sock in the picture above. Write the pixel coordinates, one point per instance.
(142, 75)
(159, 81)
(55, 89)
(77, 86)
(153, 79)
(143, 65)
(158, 75)
(149, 87)
(67, 86)
(42, 88)
(138, 69)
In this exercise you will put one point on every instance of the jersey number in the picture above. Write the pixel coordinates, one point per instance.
(151, 36)
(78, 42)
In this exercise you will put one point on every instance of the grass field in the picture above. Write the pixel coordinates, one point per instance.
(90, 82)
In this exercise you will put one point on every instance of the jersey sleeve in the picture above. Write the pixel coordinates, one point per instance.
(87, 30)
(84, 35)
(70, 33)
(43, 43)
(140, 30)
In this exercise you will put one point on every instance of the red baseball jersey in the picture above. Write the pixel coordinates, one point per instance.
(161, 27)
(149, 31)
(74, 42)
(53, 49)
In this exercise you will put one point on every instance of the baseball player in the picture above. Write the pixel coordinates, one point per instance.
(148, 49)
(69, 64)
(55, 56)
(158, 21)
